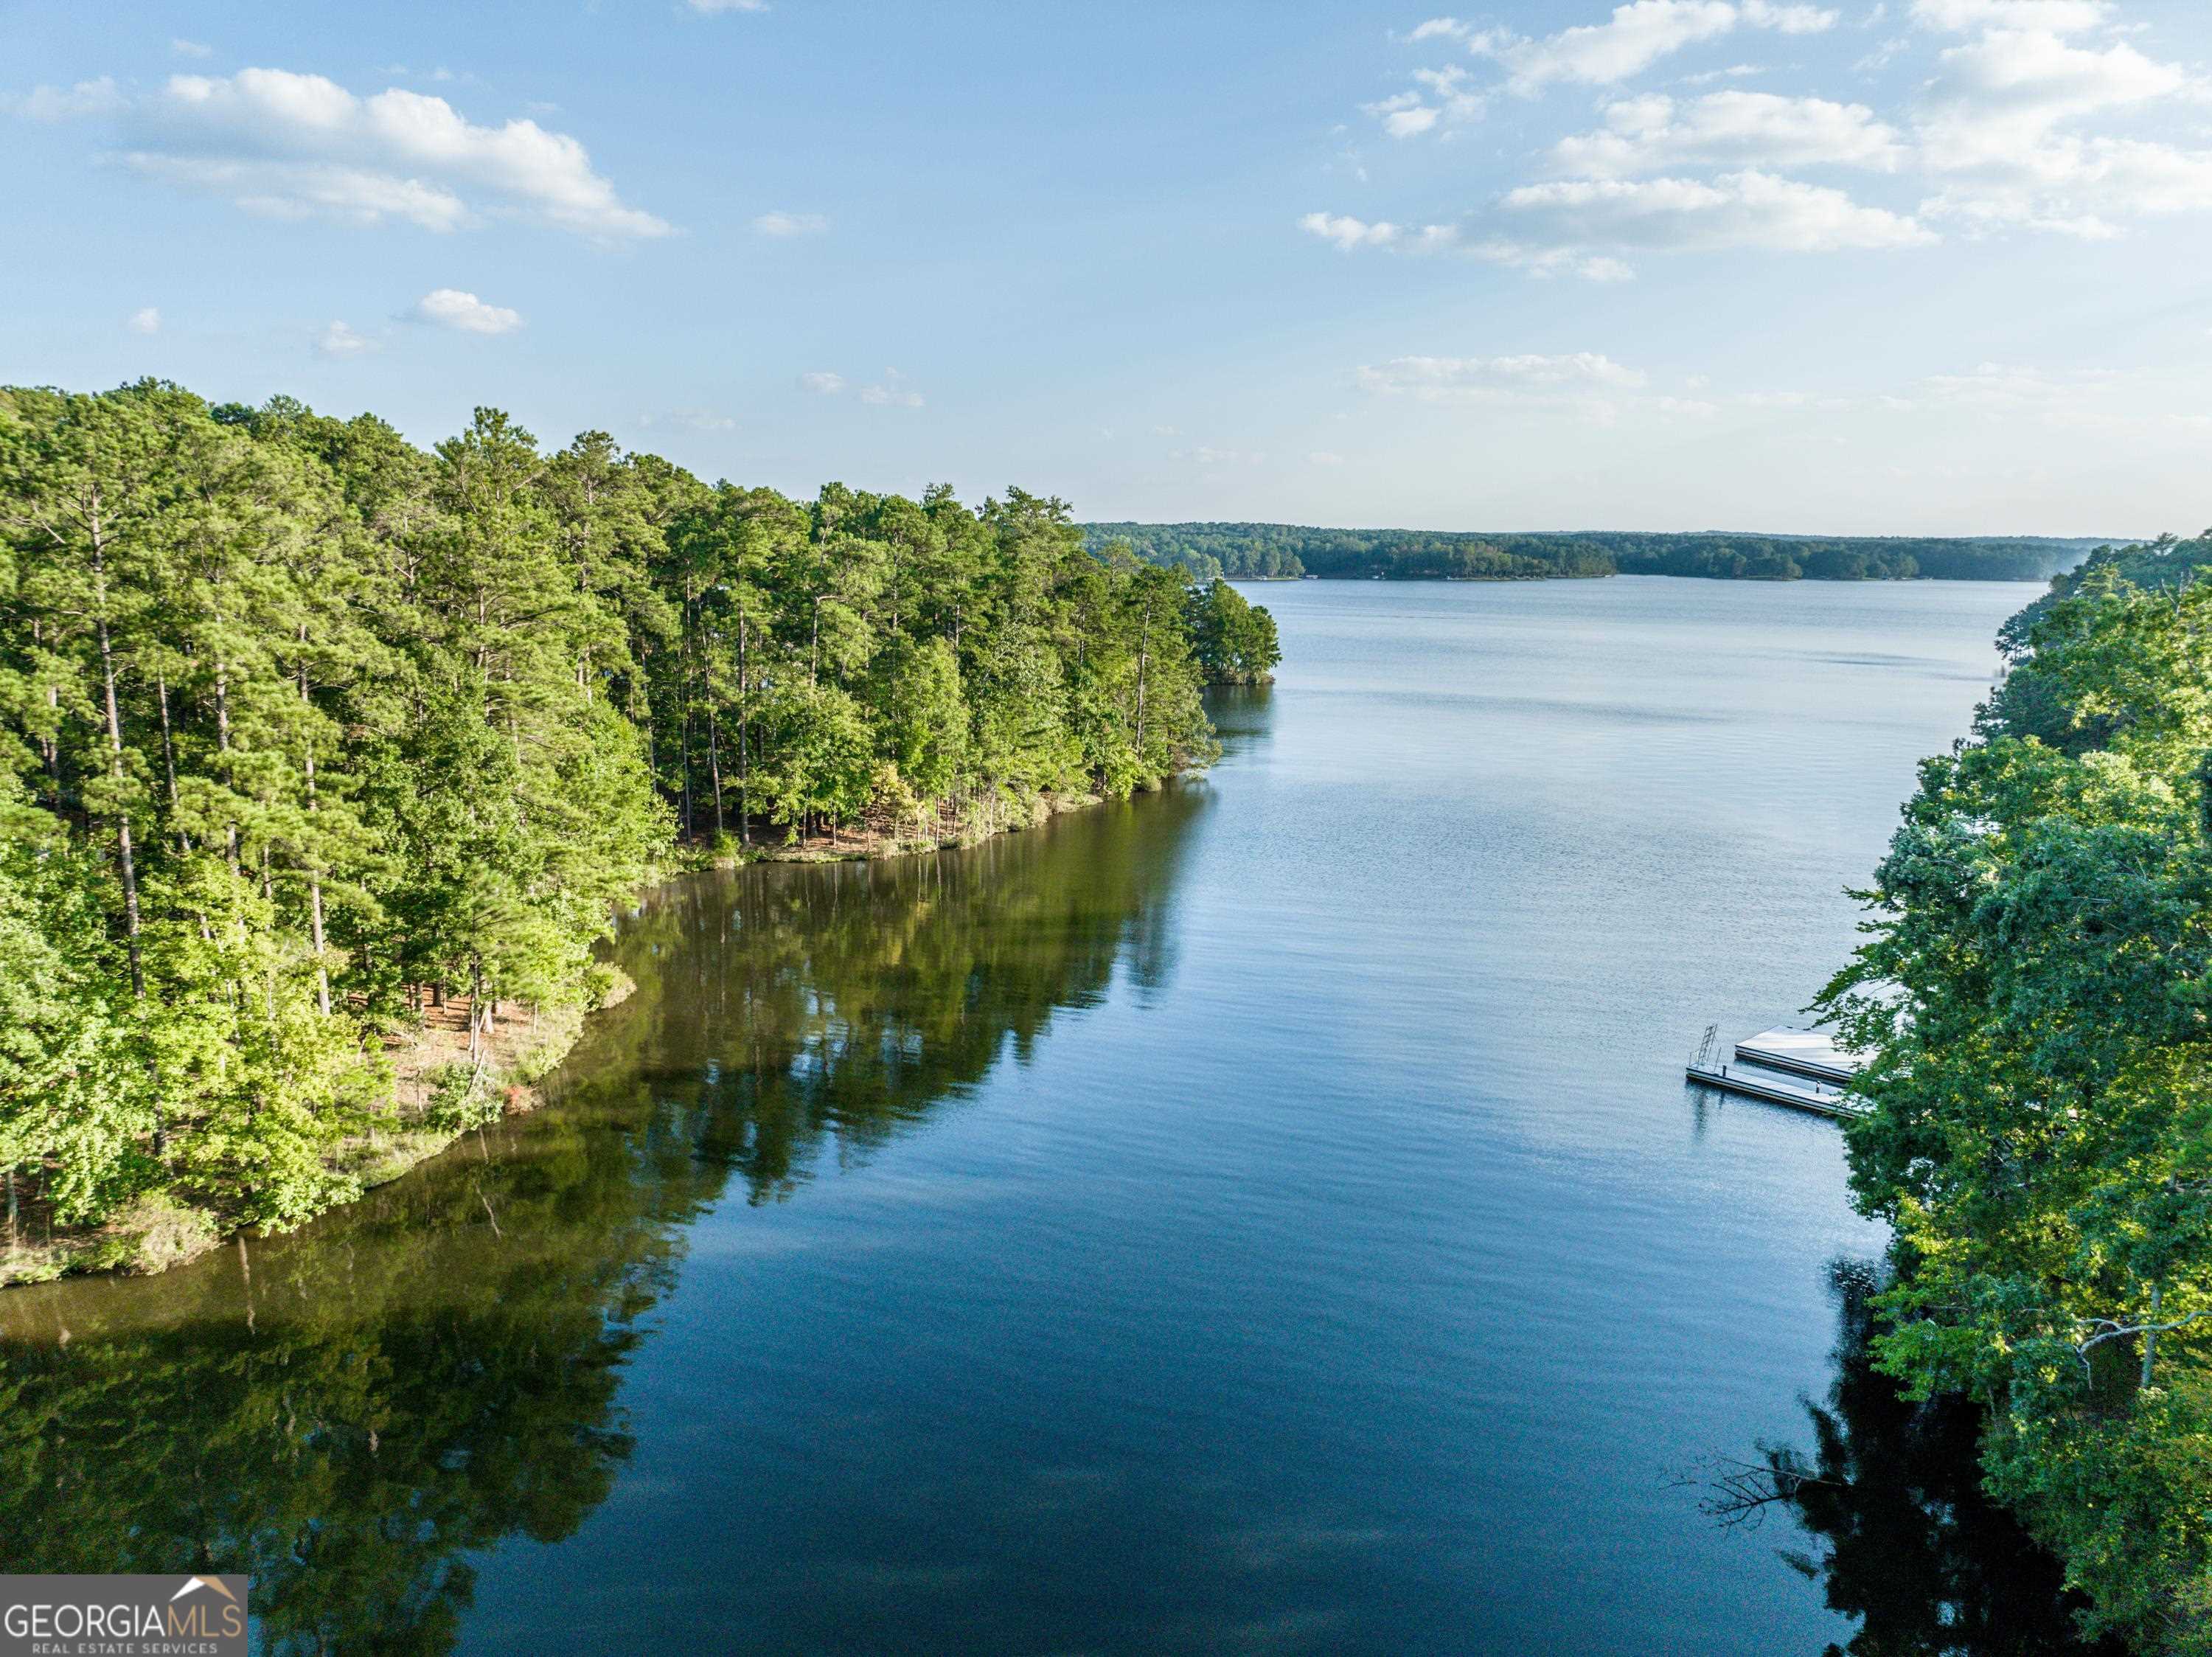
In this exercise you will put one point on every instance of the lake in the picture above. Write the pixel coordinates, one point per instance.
(1266, 1215)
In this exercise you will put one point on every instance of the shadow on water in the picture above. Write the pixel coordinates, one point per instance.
(1243, 716)
(1904, 1539)
(347, 1412)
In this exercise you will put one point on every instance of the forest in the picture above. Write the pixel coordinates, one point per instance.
(326, 760)
(2032, 1003)
(1283, 552)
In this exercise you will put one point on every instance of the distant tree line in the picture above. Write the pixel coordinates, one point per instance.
(1283, 551)
(302, 727)
(2160, 565)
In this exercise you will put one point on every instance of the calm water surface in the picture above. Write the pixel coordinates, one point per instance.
(1266, 1216)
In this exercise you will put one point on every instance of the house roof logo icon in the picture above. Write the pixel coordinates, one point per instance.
(193, 1582)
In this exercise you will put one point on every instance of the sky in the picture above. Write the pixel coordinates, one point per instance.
(1913, 267)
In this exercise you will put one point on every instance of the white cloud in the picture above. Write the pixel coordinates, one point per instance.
(295, 145)
(1749, 209)
(709, 8)
(1348, 233)
(57, 103)
(891, 392)
(1882, 57)
(1321, 457)
(821, 381)
(450, 307)
(190, 49)
(147, 320)
(1551, 261)
(1636, 35)
(1991, 127)
(1411, 112)
(1789, 19)
(1994, 97)
(2058, 17)
(1757, 129)
(781, 223)
(340, 339)
(1497, 379)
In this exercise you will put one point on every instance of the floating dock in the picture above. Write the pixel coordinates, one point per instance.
(1798, 1067)
(1800, 1052)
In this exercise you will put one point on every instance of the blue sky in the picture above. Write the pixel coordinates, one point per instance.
(1921, 266)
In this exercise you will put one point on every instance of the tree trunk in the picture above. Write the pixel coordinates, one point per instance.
(714, 763)
(130, 867)
(222, 744)
(744, 774)
(169, 756)
(315, 903)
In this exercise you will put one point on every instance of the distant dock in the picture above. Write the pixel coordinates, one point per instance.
(1799, 1068)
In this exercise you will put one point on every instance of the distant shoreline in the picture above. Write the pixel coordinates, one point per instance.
(1261, 552)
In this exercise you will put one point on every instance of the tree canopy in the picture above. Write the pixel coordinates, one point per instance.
(303, 727)
(2033, 999)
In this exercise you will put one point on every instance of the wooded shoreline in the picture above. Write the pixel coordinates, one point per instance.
(313, 743)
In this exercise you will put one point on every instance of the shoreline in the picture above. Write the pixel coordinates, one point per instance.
(427, 1115)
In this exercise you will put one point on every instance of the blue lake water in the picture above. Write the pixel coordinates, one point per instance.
(1264, 1216)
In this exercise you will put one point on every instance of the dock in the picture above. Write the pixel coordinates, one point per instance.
(1801, 1069)
(1800, 1052)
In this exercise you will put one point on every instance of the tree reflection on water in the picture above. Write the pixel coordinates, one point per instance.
(347, 1413)
(1902, 1539)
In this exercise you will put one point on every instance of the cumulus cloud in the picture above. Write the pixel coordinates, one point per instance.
(147, 320)
(2009, 129)
(1348, 233)
(1740, 128)
(1998, 96)
(65, 103)
(342, 340)
(1995, 127)
(1635, 37)
(709, 8)
(783, 224)
(1440, 97)
(293, 145)
(1748, 209)
(190, 49)
(824, 381)
(450, 307)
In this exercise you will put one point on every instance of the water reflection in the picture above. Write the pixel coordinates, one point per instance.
(1904, 1539)
(346, 1414)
